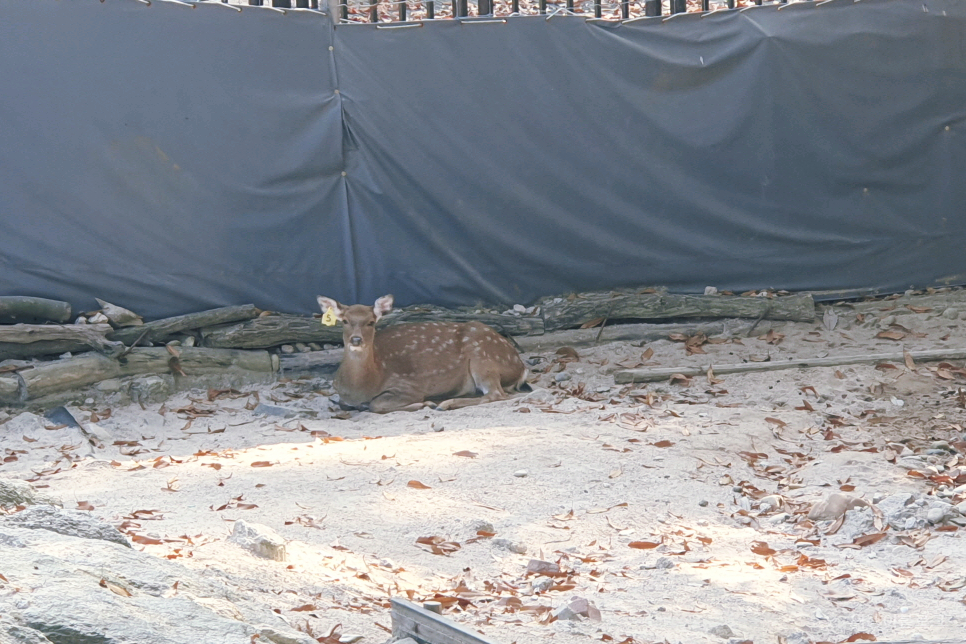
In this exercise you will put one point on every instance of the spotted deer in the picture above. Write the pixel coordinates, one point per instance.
(403, 367)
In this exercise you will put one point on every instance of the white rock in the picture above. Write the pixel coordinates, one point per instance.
(259, 539)
(710, 290)
(119, 315)
(521, 474)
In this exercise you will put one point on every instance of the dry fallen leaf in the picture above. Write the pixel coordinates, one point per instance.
(262, 464)
(418, 485)
(466, 453)
(644, 545)
(114, 588)
(762, 548)
(84, 505)
(891, 335)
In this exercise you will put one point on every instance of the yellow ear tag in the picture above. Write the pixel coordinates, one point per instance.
(329, 318)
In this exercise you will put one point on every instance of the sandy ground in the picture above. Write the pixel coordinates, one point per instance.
(656, 502)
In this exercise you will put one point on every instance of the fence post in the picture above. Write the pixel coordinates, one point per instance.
(282, 4)
(484, 7)
(301, 4)
(598, 10)
(677, 6)
(625, 9)
(652, 8)
(514, 6)
(542, 6)
(402, 10)
(430, 9)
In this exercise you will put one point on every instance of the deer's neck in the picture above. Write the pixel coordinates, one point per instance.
(360, 376)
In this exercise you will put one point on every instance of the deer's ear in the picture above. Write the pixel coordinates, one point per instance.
(326, 303)
(382, 306)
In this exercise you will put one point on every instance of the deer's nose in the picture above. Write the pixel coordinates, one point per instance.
(355, 340)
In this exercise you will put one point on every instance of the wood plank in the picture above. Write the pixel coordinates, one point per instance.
(621, 305)
(16, 308)
(633, 333)
(663, 373)
(410, 620)
(163, 329)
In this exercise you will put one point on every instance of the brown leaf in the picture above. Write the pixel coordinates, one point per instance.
(305, 608)
(647, 354)
(262, 464)
(664, 443)
(643, 545)
(775, 421)
(891, 335)
(418, 485)
(868, 539)
(592, 323)
(910, 363)
(466, 453)
(762, 548)
(680, 378)
(114, 588)
(84, 505)
(148, 541)
(914, 309)
(867, 637)
(568, 353)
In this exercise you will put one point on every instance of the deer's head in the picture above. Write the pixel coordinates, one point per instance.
(358, 320)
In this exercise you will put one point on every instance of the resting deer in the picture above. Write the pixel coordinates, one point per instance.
(403, 367)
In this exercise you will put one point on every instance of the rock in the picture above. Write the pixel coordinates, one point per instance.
(148, 389)
(512, 546)
(910, 523)
(536, 566)
(259, 539)
(951, 314)
(834, 506)
(92, 592)
(961, 508)
(521, 474)
(102, 434)
(896, 509)
(703, 503)
(563, 376)
(519, 308)
(109, 386)
(287, 348)
(99, 318)
(350, 639)
(73, 523)
(770, 502)
(936, 515)
(301, 347)
(723, 631)
(315, 346)
(710, 290)
(119, 315)
(273, 410)
(858, 521)
(14, 493)
(188, 341)
(577, 607)
(542, 585)
(25, 424)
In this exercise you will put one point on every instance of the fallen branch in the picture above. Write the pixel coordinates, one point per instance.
(628, 333)
(16, 308)
(325, 361)
(163, 329)
(588, 307)
(29, 340)
(663, 373)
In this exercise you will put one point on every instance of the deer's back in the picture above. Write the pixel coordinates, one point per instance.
(435, 356)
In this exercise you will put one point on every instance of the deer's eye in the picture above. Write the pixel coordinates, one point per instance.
(372, 323)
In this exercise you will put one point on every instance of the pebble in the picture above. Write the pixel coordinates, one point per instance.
(951, 314)
(961, 508)
(519, 308)
(910, 524)
(521, 474)
(563, 376)
(287, 348)
(301, 347)
(315, 346)
(723, 631)
(710, 290)
(189, 341)
(704, 503)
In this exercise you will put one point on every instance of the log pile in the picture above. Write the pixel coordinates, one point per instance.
(236, 337)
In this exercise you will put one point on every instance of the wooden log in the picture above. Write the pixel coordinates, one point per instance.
(569, 314)
(162, 329)
(29, 340)
(325, 361)
(273, 330)
(410, 620)
(632, 333)
(663, 373)
(80, 371)
(16, 308)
